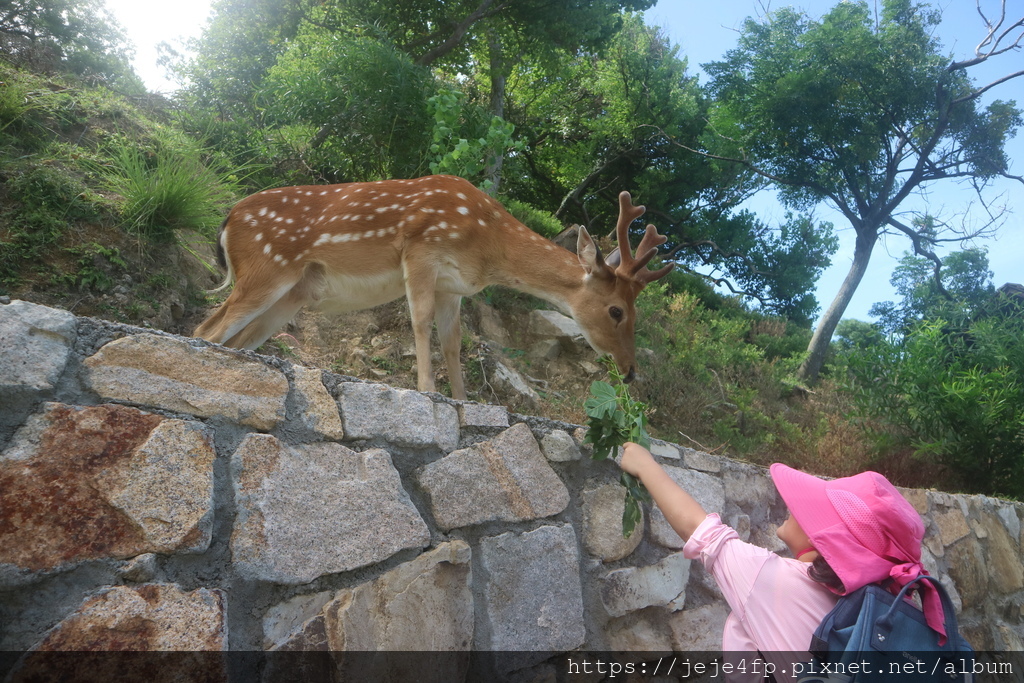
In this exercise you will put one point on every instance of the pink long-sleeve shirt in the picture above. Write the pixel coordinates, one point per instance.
(775, 606)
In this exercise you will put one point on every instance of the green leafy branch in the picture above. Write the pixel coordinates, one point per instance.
(614, 418)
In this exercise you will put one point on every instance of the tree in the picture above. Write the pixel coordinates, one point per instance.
(354, 107)
(860, 111)
(79, 36)
(951, 387)
(966, 289)
(454, 41)
(596, 124)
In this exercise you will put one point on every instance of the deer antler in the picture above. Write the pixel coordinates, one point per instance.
(627, 265)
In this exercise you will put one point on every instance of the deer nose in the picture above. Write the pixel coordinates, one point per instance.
(631, 375)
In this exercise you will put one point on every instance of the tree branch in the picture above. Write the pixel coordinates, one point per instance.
(459, 32)
(919, 241)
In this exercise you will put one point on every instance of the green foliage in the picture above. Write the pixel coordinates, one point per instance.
(966, 279)
(857, 334)
(76, 36)
(859, 109)
(94, 263)
(779, 265)
(538, 220)
(953, 394)
(167, 190)
(614, 418)
(719, 373)
(40, 203)
(15, 101)
(351, 106)
(455, 155)
(600, 123)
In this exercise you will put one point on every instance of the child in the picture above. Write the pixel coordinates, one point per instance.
(844, 534)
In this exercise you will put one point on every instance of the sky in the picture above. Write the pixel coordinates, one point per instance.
(704, 32)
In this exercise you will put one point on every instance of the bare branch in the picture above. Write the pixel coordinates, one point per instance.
(989, 40)
(997, 41)
(921, 243)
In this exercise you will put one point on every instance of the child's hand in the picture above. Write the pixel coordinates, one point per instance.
(635, 459)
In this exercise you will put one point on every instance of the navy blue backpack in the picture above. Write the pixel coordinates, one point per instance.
(872, 635)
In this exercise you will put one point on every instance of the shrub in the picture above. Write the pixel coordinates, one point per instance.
(168, 190)
(541, 222)
(39, 204)
(953, 394)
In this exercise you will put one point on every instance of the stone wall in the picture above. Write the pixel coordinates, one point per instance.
(159, 493)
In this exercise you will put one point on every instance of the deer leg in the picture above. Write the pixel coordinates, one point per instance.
(245, 305)
(419, 290)
(259, 330)
(449, 333)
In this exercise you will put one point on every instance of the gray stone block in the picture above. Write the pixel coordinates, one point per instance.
(504, 479)
(534, 599)
(403, 416)
(36, 342)
(305, 511)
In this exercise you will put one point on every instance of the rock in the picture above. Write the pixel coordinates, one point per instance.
(156, 633)
(205, 381)
(533, 599)
(405, 417)
(1004, 559)
(554, 324)
(661, 585)
(482, 415)
(746, 485)
(511, 382)
(504, 479)
(699, 629)
(602, 523)
(705, 462)
(149, 617)
(706, 489)
(43, 337)
(951, 524)
(424, 604)
(315, 509)
(641, 633)
(141, 569)
(559, 446)
(968, 569)
(491, 326)
(317, 409)
(545, 350)
(103, 482)
(663, 449)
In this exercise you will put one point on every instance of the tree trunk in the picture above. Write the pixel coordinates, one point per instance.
(498, 85)
(822, 337)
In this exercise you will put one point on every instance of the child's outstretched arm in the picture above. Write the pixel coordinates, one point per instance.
(683, 513)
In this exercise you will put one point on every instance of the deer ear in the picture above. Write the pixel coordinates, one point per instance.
(589, 253)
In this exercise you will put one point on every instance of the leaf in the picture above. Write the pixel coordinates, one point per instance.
(614, 419)
(603, 400)
(631, 516)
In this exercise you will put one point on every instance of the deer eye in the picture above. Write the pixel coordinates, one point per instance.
(615, 312)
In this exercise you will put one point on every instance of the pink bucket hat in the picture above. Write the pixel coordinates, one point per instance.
(863, 527)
